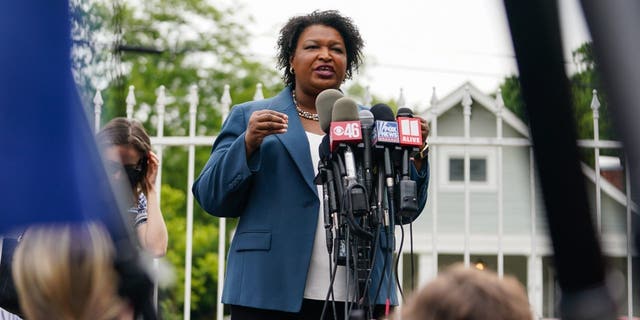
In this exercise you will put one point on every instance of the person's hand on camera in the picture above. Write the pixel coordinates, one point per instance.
(424, 127)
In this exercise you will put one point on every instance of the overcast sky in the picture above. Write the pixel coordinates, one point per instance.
(419, 44)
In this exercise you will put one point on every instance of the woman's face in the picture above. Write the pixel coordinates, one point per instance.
(119, 157)
(320, 59)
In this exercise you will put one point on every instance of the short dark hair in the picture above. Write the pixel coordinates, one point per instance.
(291, 31)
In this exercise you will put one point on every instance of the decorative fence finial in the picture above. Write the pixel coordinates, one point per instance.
(161, 100)
(595, 104)
(466, 101)
(131, 101)
(97, 110)
(499, 102)
(367, 96)
(193, 99)
(258, 95)
(434, 98)
(401, 99)
(225, 102)
(97, 100)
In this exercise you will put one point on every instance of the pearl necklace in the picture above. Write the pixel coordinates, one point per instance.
(302, 113)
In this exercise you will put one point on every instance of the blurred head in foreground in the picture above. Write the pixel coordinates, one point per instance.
(67, 271)
(461, 293)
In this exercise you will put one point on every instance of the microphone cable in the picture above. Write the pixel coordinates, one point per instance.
(413, 284)
(398, 261)
(392, 222)
(381, 208)
(351, 220)
(332, 275)
(373, 263)
(347, 303)
(358, 231)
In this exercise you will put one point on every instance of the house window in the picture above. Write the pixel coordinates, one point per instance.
(477, 169)
(482, 168)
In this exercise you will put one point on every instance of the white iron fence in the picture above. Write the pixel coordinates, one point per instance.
(191, 141)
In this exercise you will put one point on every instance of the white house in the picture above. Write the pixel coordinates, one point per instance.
(485, 205)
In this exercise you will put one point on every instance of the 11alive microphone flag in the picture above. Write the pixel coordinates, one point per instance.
(409, 131)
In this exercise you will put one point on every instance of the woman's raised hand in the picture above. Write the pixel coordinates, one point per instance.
(261, 124)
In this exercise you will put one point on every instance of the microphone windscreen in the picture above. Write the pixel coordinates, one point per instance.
(345, 109)
(382, 112)
(324, 106)
(366, 118)
(405, 112)
(323, 148)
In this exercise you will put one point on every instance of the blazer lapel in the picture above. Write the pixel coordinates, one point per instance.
(295, 140)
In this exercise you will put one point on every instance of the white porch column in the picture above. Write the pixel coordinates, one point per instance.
(426, 270)
(433, 186)
(534, 285)
(466, 107)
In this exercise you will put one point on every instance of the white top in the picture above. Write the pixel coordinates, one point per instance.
(319, 274)
(6, 315)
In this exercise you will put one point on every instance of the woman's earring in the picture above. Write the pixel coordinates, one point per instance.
(291, 70)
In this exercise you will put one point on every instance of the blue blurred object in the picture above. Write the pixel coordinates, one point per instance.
(50, 170)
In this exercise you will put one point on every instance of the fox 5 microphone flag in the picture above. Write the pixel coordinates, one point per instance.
(50, 169)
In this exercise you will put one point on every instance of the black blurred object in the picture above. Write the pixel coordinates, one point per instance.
(41, 109)
(8, 295)
(133, 267)
(615, 27)
(357, 315)
(135, 283)
(578, 258)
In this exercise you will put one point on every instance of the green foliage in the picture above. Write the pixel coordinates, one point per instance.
(175, 44)
(205, 259)
(196, 44)
(582, 85)
(173, 208)
(90, 58)
(584, 57)
(512, 97)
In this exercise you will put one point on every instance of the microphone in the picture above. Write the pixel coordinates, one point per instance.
(385, 129)
(410, 141)
(324, 106)
(329, 199)
(367, 121)
(345, 131)
(385, 136)
(409, 129)
(345, 124)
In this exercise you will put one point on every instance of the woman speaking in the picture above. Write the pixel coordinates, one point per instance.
(261, 170)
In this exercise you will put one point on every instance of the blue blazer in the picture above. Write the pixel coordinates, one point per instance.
(273, 195)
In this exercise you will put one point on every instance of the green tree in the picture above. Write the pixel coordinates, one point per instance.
(582, 84)
(175, 44)
(91, 54)
(512, 96)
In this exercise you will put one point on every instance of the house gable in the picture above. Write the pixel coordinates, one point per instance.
(449, 114)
